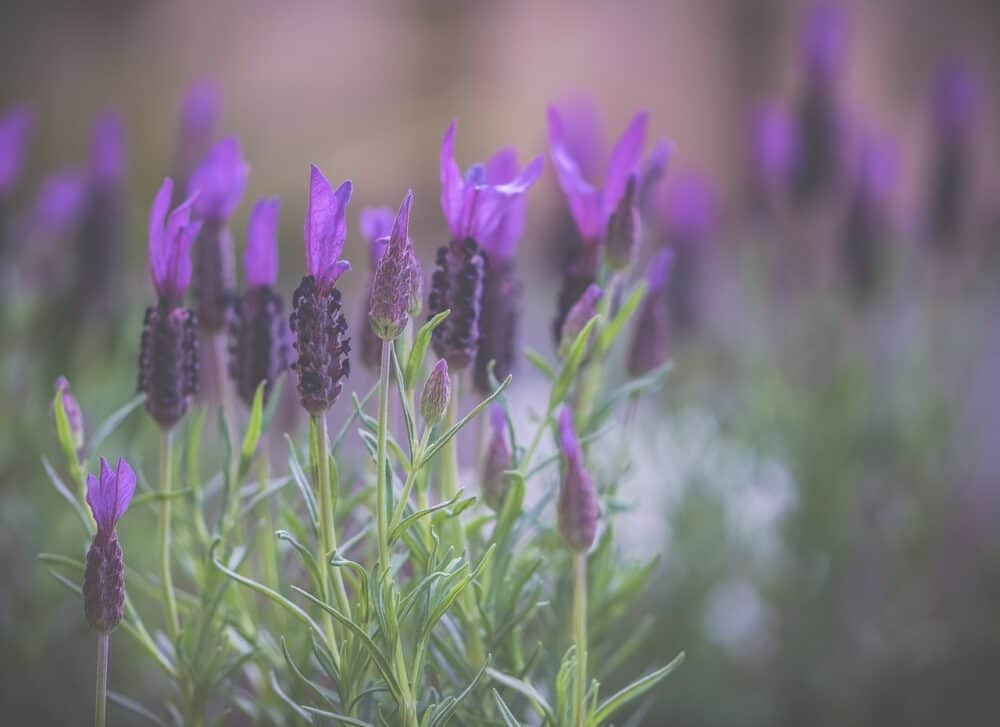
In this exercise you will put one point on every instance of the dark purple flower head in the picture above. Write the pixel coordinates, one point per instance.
(476, 205)
(650, 337)
(74, 414)
(393, 281)
(261, 255)
(498, 459)
(591, 206)
(577, 508)
(622, 237)
(376, 225)
(110, 494)
(15, 131)
(956, 100)
(457, 286)
(774, 145)
(579, 315)
(690, 209)
(219, 181)
(107, 151)
(326, 229)
(824, 31)
(436, 394)
(170, 241)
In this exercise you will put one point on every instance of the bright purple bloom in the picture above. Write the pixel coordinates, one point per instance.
(824, 31)
(393, 283)
(219, 181)
(261, 255)
(502, 169)
(15, 131)
(104, 575)
(109, 496)
(376, 225)
(107, 151)
(326, 229)
(578, 508)
(474, 207)
(591, 206)
(199, 115)
(170, 241)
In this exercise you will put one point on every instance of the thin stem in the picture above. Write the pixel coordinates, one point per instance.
(319, 442)
(166, 571)
(381, 495)
(101, 695)
(580, 638)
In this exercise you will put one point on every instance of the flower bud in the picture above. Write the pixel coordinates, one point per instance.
(74, 415)
(436, 394)
(498, 460)
(579, 315)
(622, 237)
(577, 508)
(393, 282)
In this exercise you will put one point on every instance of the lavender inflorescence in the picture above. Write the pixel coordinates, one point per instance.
(457, 285)
(322, 344)
(258, 342)
(168, 362)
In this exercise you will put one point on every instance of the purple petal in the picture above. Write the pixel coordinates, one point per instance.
(15, 129)
(220, 180)
(59, 203)
(502, 166)
(170, 244)
(956, 99)
(569, 445)
(624, 158)
(400, 235)
(109, 494)
(580, 132)
(261, 255)
(157, 241)
(200, 112)
(775, 143)
(654, 168)
(107, 150)
(584, 200)
(326, 226)
(452, 184)
(823, 33)
(376, 225)
(658, 272)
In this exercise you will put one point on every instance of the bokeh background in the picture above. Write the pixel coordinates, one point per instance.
(820, 475)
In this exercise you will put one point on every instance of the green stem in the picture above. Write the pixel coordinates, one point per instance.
(101, 696)
(580, 638)
(319, 450)
(381, 485)
(166, 571)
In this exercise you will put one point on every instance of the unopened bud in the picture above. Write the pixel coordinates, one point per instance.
(498, 460)
(436, 394)
(74, 415)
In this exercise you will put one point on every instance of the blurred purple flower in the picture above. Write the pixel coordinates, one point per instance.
(107, 151)
(199, 117)
(170, 241)
(591, 206)
(477, 208)
(260, 259)
(582, 134)
(578, 508)
(823, 36)
(774, 146)
(376, 224)
(326, 228)
(59, 203)
(956, 100)
(219, 180)
(653, 170)
(690, 209)
(16, 127)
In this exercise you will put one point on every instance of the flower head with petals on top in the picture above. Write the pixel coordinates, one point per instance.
(260, 259)
(170, 241)
(393, 281)
(15, 130)
(474, 206)
(326, 228)
(591, 206)
(110, 494)
(219, 180)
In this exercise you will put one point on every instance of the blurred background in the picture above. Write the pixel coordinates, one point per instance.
(820, 475)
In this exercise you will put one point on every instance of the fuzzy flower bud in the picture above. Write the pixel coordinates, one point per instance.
(498, 459)
(579, 315)
(104, 575)
(317, 320)
(648, 348)
(376, 225)
(436, 394)
(392, 284)
(74, 415)
(457, 285)
(577, 508)
(622, 237)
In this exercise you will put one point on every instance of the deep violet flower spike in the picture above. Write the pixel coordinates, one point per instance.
(219, 181)
(16, 126)
(498, 459)
(436, 394)
(108, 496)
(579, 315)
(260, 259)
(170, 241)
(326, 229)
(392, 284)
(457, 285)
(650, 337)
(577, 508)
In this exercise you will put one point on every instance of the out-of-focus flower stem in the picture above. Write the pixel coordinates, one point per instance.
(580, 638)
(381, 499)
(166, 572)
(101, 694)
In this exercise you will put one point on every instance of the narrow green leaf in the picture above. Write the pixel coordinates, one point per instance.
(131, 705)
(396, 531)
(541, 365)
(607, 336)
(254, 426)
(302, 482)
(302, 713)
(505, 714)
(108, 426)
(536, 700)
(65, 436)
(570, 366)
(307, 557)
(359, 405)
(633, 690)
(337, 717)
(155, 496)
(419, 350)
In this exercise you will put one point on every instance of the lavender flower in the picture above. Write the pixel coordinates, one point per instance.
(774, 153)
(199, 117)
(376, 224)
(590, 206)
(955, 106)
(476, 211)
(317, 321)
(16, 127)
(498, 318)
(74, 414)
(219, 182)
(579, 316)
(259, 345)
(396, 278)
(498, 459)
(436, 394)
(650, 337)
(168, 358)
(104, 576)
(577, 508)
